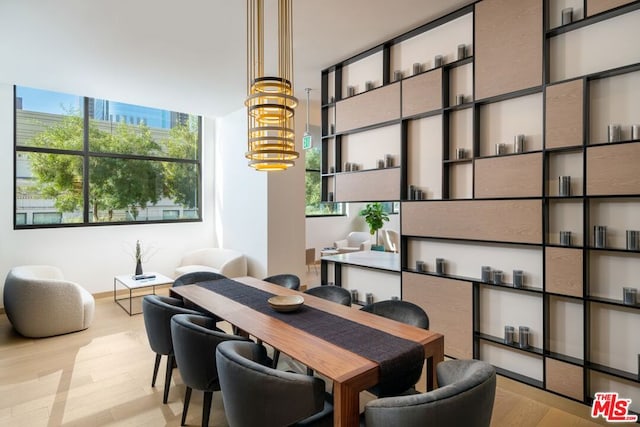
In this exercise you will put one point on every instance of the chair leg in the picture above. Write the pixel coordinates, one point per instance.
(185, 406)
(155, 370)
(206, 408)
(167, 379)
(276, 358)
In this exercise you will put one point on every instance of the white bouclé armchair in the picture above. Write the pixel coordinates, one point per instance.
(227, 262)
(39, 302)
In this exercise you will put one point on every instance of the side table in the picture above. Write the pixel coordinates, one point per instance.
(128, 281)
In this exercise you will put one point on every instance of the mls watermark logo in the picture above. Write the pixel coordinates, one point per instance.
(612, 408)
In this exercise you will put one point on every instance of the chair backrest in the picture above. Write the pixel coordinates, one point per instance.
(196, 277)
(255, 394)
(331, 293)
(157, 311)
(356, 237)
(195, 338)
(391, 240)
(290, 281)
(402, 311)
(464, 399)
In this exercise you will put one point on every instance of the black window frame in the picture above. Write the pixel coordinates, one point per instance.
(86, 154)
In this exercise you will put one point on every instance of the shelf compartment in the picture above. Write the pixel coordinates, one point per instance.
(613, 170)
(500, 341)
(509, 176)
(595, 7)
(610, 272)
(522, 366)
(375, 106)
(422, 93)
(448, 304)
(519, 377)
(516, 221)
(565, 379)
(508, 46)
(563, 272)
(424, 155)
(368, 186)
(564, 114)
(565, 332)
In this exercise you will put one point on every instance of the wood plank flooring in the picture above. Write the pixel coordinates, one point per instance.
(102, 377)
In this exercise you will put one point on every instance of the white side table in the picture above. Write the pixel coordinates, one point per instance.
(128, 282)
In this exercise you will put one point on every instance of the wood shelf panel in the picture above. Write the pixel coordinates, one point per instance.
(563, 274)
(613, 170)
(509, 176)
(422, 93)
(597, 6)
(376, 106)
(564, 115)
(564, 378)
(516, 221)
(448, 304)
(368, 186)
(508, 46)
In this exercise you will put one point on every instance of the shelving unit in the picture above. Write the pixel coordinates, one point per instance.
(560, 86)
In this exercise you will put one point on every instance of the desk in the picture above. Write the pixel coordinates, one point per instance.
(349, 372)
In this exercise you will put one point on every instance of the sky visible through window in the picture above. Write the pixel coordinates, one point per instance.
(43, 101)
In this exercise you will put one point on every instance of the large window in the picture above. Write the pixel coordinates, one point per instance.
(83, 160)
(315, 207)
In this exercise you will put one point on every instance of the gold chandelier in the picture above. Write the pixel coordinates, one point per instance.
(270, 101)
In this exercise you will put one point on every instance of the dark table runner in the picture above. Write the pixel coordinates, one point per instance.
(400, 360)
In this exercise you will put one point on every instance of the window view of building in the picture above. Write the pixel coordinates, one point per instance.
(83, 160)
(313, 194)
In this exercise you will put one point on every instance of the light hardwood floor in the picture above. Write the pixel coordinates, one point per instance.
(102, 377)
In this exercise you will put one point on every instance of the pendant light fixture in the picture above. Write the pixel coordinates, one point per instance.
(270, 101)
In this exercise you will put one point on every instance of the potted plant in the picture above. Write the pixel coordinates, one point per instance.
(375, 216)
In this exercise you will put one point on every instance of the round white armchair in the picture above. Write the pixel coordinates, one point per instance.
(39, 302)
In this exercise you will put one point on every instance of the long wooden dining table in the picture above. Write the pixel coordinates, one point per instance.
(351, 373)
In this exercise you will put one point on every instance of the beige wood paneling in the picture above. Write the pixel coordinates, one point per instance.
(375, 106)
(515, 221)
(613, 170)
(564, 378)
(564, 114)
(508, 46)
(563, 273)
(422, 93)
(509, 176)
(448, 304)
(368, 186)
(596, 6)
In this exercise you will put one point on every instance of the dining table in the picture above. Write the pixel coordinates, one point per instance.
(349, 370)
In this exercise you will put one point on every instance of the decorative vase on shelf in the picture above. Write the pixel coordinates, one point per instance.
(138, 257)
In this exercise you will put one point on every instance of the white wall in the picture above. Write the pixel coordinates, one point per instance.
(92, 255)
(258, 213)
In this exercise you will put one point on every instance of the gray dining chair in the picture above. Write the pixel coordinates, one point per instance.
(197, 277)
(401, 311)
(464, 398)
(332, 293)
(157, 311)
(195, 339)
(257, 395)
(335, 294)
(290, 281)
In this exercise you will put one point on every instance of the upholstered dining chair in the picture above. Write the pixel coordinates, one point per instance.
(401, 311)
(195, 339)
(290, 281)
(196, 277)
(157, 311)
(331, 293)
(464, 398)
(257, 395)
